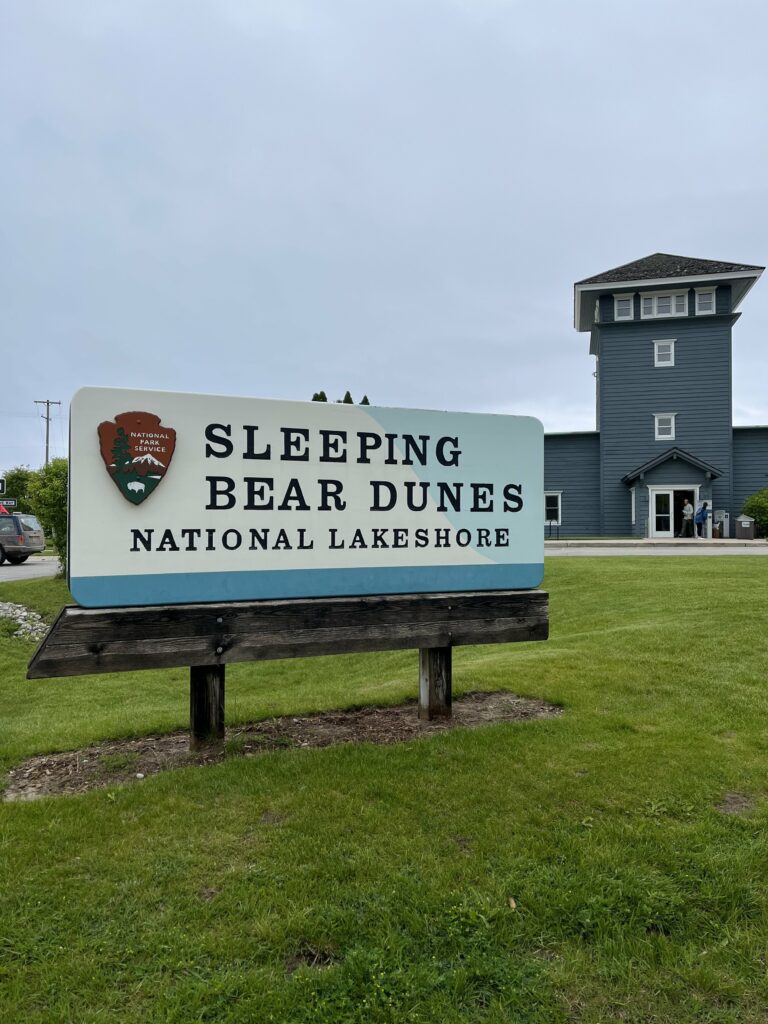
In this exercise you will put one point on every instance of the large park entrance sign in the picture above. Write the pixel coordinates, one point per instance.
(207, 530)
(179, 498)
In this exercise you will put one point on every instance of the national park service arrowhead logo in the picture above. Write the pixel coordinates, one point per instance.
(137, 452)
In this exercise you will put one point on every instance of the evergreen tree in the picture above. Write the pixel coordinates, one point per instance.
(121, 450)
(320, 396)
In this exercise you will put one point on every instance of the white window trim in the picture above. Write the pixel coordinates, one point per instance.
(633, 505)
(627, 295)
(559, 496)
(664, 362)
(665, 415)
(655, 296)
(706, 312)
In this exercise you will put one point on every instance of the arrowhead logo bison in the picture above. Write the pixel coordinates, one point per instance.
(137, 452)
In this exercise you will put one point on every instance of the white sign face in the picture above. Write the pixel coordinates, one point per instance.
(177, 499)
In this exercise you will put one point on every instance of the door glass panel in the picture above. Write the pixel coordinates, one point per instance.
(663, 512)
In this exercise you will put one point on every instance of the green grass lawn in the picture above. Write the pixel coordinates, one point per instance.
(571, 869)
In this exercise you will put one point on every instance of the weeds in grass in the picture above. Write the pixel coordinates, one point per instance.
(118, 762)
(235, 747)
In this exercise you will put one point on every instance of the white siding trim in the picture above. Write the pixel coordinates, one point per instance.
(668, 282)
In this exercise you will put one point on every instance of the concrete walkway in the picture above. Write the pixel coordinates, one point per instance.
(655, 547)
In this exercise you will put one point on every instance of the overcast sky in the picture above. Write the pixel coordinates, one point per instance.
(269, 198)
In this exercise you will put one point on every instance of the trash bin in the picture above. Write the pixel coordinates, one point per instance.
(745, 528)
(716, 531)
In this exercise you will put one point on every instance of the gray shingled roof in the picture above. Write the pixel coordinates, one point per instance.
(663, 265)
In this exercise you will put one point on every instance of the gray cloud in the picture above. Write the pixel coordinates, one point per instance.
(394, 198)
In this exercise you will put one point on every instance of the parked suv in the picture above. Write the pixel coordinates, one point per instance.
(20, 536)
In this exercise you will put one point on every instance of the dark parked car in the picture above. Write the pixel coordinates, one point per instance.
(20, 536)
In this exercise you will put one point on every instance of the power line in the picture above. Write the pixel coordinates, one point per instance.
(47, 402)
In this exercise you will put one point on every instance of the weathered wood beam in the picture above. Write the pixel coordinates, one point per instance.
(435, 683)
(85, 641)
(206, 706)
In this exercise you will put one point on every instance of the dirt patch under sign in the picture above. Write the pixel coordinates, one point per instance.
(120, 761)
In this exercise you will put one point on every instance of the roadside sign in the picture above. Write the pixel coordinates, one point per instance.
(215, 498)
(2, 485)
(8, 502)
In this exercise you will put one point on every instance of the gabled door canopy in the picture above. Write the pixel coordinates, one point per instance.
(710, 472)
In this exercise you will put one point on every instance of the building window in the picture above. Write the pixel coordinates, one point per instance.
(552, 505)
(633, 506)
(664, 352)
(623, 307)
(664, 423)
(664, 304)
(705, 301)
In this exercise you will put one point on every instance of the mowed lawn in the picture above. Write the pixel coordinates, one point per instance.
(579, 868)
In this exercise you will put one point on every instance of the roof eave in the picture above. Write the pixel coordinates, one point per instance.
(750, 277)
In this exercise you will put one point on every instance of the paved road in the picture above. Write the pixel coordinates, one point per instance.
(684, 547)
(35, 567)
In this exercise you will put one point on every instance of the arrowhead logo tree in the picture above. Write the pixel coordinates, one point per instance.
(137, 451)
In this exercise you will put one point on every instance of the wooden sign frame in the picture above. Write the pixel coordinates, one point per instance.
(207, 637)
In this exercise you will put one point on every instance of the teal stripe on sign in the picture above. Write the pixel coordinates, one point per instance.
(194, 587)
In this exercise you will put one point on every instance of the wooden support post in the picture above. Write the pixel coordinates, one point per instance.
(434, 682)
(206, 706)
(87, 641)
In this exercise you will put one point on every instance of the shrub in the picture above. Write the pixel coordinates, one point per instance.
(48, 496)
(17, 482)
(756, 506)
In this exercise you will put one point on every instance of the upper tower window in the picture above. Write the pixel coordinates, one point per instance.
(664, 352)
(664, 426)
(623, 307)
(705, 300)
(664, 304)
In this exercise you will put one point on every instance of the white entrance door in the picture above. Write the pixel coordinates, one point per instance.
(662, 514)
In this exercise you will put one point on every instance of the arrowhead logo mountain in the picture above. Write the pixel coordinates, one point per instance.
(137, 452)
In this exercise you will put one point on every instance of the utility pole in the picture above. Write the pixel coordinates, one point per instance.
(47, 403)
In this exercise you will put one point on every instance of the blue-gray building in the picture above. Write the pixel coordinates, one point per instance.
(660, 332)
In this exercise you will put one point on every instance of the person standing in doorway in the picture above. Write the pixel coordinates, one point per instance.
(687, 527)
(700, 519)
